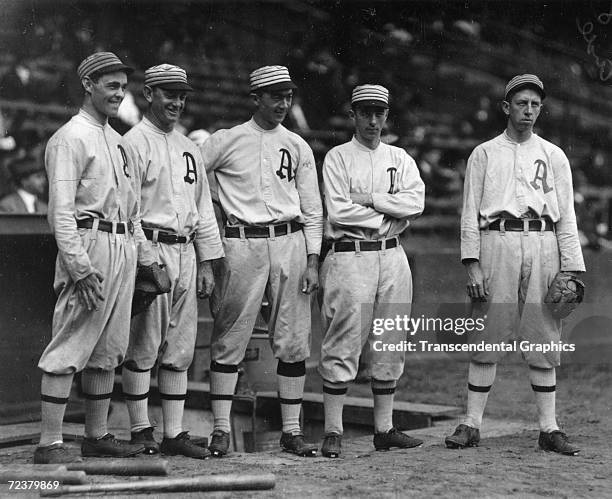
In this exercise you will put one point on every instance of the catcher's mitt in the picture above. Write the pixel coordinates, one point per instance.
(565, 293)
(151, 280)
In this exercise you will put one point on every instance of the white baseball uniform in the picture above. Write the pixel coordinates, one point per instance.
(528, 180)
(176, 200)
(358, 286)
(89, 177)
(264, 177)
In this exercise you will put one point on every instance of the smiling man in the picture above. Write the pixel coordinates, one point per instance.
(176, 212)
(267, 184)
(93, 213)
(518, 230)
(372, 190)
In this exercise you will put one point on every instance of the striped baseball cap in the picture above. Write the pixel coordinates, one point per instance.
(101, 62)
(168, 77)
(525, 81)
(370, 95)
(271, 78)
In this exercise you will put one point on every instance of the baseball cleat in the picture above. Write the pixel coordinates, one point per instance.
(395, 438)
(219, 443)
(557, 441)
(296, 445)
(464, 436)
(52, 454)
(109, 446)
(332, 444)
(145, 437)
(182, 446)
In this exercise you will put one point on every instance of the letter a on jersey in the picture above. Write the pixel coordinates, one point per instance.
(541, 175)
(125, 161)
(192, 174)
(285, 166)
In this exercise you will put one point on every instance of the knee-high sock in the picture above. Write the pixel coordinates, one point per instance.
(543, 382)
(480, 380)
(383, 392)
(54, 393)
(333, 403)
(223, 379)
(291, 378)
(136, 384)
(97, 387)
(172, 392)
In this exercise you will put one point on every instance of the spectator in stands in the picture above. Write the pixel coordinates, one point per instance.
(31, 181)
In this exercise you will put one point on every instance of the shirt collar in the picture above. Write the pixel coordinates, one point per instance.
(359, 145)
(28, 198)
(90, 119)
(147, 122)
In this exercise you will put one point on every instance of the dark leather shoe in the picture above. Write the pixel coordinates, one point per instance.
(109, 446)
(464, 436)
(182, 446)
(332, 445)
(219, 443)
(296, 445)
(145, 437)
(52, 454)
(394, 438)
(557, 441)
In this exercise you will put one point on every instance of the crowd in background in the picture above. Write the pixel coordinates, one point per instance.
(437, 124)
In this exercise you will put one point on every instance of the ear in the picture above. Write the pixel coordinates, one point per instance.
(255, 98)
(87, 84)
(351, 114)
(506, 107)
(147, 91)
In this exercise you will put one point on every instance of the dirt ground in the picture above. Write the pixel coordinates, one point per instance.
(507, 463)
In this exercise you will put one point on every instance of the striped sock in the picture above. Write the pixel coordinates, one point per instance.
(383, 392)
(54, 390)
(333, 404)
(172, 392)
(136, 383)
(543, 382)
(223, 379)
(480, 380)
(291, 378)
(97, 386)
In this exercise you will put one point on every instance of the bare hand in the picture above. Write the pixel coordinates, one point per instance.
(310, 277)
(206, 279)
(477, 285)
(361, 198)
(89, 290)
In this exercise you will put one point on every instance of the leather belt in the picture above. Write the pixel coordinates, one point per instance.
(521, 224)
(261, 232)
(107, 226)
(167, 237)
(365, 245)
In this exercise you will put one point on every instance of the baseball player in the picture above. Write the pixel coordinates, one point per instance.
(518, 229)
(371, 191)
(267, 187)
(176, 211)
(93, 211)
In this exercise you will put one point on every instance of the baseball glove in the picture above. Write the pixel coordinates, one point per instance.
(151, 280)
(565, 293)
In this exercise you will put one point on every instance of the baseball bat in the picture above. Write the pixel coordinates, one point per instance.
(43, 474)
(192, 484)
(121, 467)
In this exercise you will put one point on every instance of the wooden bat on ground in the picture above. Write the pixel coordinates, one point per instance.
(47, 474)
(192, 484)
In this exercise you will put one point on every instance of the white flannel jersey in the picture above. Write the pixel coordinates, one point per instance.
(174, 189)
(509, 179)
(388, 173)
(266, 177)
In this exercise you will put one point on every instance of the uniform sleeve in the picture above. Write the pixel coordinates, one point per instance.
(472, 195)
(409, 200)
(211, 150)
(207, 241)
(307, 185)
(146, 255)
(65, 168)
(566, 229)
(341, 211)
